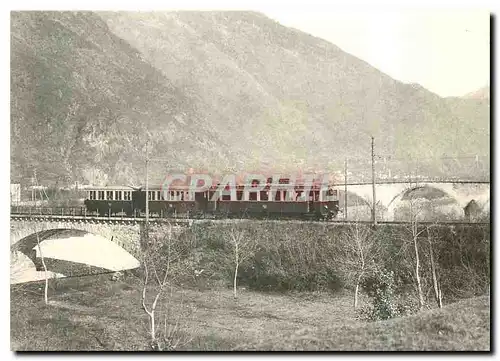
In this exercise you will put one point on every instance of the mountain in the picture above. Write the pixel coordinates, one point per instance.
(480, 94)
(84, 100)
(217, 91)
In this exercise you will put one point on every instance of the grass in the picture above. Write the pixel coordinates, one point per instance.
(95, 313)
(463, 326)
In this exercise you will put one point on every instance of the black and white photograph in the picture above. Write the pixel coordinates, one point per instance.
(252, 178)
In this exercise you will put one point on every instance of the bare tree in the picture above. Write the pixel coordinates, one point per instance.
(360, 251)
(413, 218)
(244, 247)
(435, 280)
(161, 269)
(46, 297)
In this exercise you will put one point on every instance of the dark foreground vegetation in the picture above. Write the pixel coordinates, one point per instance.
(321, 257)
(296, 288)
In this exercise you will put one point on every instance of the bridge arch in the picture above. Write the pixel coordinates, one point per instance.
(24, 233)
(428, 192)
(358, 207)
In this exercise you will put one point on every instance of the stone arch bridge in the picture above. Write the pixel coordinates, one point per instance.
(125, 233)
(390, 195)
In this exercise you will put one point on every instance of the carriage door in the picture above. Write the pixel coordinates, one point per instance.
(201, 201)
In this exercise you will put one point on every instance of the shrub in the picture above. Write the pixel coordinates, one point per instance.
(313, 257)
(381, 289)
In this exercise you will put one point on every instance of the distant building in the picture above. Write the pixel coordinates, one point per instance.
(15, 193)
(472, 210)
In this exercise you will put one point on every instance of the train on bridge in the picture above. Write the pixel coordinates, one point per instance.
(272, 200)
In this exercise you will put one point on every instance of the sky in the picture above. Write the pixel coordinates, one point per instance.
(446, 51)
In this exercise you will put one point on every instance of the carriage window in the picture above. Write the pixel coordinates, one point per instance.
(151, 195)
(118, 195)
(264, 196)
(109, 195)
(277, 197)
(100, 195)
(126, 195)
(252, 196)
(92, 195)
(158, 195)
(239, 195)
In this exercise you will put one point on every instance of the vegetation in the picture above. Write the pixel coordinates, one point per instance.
(161, 268)
(95, 313)
(295, 287)
(291, 257)
(462, 326)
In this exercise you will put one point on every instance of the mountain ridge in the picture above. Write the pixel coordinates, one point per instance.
(219, 91)
(482, 93)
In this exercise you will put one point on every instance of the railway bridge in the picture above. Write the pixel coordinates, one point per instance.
(390, 195)
(125, 232)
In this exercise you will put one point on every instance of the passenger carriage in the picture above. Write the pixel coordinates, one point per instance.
(109, 200)
(274, 200)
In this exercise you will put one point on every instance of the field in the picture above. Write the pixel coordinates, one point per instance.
(94, 313)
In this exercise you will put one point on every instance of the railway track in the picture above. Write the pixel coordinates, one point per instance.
(199, 220)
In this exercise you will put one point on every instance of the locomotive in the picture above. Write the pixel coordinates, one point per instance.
(273, 201)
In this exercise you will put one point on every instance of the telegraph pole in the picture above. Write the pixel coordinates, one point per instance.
(374, 216)
(345, 189)
(33, 188)
(147, 190)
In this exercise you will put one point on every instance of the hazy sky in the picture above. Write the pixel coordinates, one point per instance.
(447, 52)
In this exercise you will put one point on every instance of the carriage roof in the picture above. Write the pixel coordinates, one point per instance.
(110, 188)
(187, 187)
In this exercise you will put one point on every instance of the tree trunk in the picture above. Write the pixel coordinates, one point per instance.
(417, 275)
(153, 333)
(356, 296)
(437, 290)
(46, 296)
(235, 276)
(237, 263)
(356, 291)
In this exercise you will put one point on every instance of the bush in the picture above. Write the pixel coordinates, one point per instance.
(381, 288)
(312, 258)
